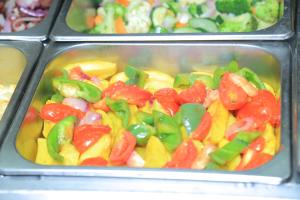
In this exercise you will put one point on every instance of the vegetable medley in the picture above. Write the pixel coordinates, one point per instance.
(227, 120)
(182, 16)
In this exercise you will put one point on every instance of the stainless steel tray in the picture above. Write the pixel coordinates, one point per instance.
(280, 31)
(270, 60)
(17, 61)
(40, 31)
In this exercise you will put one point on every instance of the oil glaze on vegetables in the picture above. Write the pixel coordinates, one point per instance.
(226, 120)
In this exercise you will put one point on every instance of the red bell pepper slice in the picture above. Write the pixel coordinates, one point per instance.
(232, 96)
(194, 94)
(57, 111)
(86, 135)
(257, 159)
(97, 161)
(168, 98)
(203, 128)
(123, 149)
(184, 156)
(31, 115)
(130, 93)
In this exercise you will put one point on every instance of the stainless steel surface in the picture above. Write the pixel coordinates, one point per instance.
(40, 31)
(17, 60)
(272, 61)
(281, 31)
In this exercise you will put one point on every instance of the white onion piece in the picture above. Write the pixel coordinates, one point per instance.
(28, 3)
(95, 80)
(90, 117)
(202, 160)
(76, 103)
(135, 160)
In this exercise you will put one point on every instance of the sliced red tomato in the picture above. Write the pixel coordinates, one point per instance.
(31, 115)
(245, 124)
(97, 161)
(184, 156)
(131, 93)
(122, 150)
(232, 96)
(258, 159)
(86, 135)
(258, 144)
(194, 94)
(57, 111)
(168, 98)
(76, 73)
(263, 108)
(202, 130)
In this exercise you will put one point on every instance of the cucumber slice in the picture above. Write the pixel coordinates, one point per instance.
(205, 25)
(186, 30)
(159, 16)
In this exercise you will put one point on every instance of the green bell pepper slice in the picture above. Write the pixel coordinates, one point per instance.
(167, 130)
(219, 72)
(190, 116)
(142, 133)
(234, 147)
(252, 77)
(135, 76)
(61, 133)
(144, 117)
(75, 88)
(187, 80)
(58, 98)
(121, 108)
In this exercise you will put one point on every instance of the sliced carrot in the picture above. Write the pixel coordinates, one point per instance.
(90, 21)
(120, 26)
(180, 25)
(98, 19)
(123, 2)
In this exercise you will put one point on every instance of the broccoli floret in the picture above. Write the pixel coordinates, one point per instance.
(242, 23)
(236, 7)
(107, 26)
(267, 10)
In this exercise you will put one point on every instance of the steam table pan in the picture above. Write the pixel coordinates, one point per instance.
(272, 61)
(71, 21)
(17, 61)
(40, 31)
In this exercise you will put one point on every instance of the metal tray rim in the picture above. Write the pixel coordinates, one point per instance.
(269, 173)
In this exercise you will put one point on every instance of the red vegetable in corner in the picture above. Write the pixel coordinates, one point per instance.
(252, 159)
(168, 98)
(76, 73)
(232, 96)
(194, 94)
(130, 93)
(123, 149)
(184, 156)
(57, 111)
(87, 135)
(97, 161)
(203, 129)
(263, 108)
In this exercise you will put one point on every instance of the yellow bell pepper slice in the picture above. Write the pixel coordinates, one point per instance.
(278, 138)
(121, 76)
(234, 163)
(101, 149)
(99, 68)
(42, 155)
(156, 154)
(220, 117)
(70, 154)
(270, 139)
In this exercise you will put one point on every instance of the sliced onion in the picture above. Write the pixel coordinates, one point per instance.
(28, 3)
(244, 124)
(20, 22)
(90, 117)
(202, 160)
(95, 80)
(34, 13)
(76, 103)
(135, 160)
